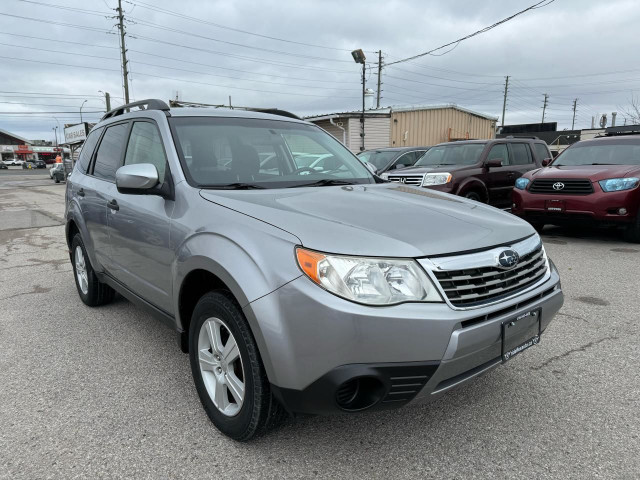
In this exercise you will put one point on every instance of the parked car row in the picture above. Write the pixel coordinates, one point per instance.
(33, 164)
(593, 182)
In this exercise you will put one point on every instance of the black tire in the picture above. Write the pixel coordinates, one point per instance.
(260, 411)
(473, 196)
(632, 232)
(57, 179)
(97, 293)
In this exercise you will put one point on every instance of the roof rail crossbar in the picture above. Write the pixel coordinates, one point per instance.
(532, 137)
(149, 104)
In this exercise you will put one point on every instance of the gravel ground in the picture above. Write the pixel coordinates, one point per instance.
(106, 392)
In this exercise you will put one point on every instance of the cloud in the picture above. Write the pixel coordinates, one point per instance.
(543, 51)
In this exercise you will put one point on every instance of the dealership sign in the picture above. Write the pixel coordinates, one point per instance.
(75, 133)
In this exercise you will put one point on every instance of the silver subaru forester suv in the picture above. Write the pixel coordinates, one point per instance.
(297, 281)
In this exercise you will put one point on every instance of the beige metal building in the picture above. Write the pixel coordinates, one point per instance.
(417, 125)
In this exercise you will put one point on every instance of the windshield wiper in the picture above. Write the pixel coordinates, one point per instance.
(604, 164)
(236, 186)
(325, 182)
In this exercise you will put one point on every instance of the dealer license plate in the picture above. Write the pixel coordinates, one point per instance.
(520, 333)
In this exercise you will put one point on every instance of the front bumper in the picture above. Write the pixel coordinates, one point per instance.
(599, 207)
(312, 342)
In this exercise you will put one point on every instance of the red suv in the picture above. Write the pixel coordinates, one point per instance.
(593, 181)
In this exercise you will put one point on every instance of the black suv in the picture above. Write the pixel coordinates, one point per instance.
(384, 159)
(482, 170)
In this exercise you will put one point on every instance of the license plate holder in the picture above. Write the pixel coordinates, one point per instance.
(554, 205)
(520, 333)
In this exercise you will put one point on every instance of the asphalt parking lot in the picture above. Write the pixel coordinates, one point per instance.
(106, 392)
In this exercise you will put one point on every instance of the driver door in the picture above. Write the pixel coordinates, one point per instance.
(499, 179)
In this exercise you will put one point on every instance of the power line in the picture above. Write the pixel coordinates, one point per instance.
(50, 94)
(57, 40)
(51, 22)
(196, 35)
(478, 32)
(206, 22)
(64, 7)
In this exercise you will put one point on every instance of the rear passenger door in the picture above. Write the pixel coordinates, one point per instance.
(499, 179)
(139, 224)
(521, 160)
(100, 188)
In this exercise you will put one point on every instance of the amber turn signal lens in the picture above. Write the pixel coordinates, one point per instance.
(308, 262)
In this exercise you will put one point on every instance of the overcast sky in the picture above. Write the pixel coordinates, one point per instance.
(568, 49)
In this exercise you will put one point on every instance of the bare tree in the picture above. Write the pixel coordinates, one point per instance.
(631, 113)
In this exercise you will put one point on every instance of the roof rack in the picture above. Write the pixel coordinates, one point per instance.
(275, 111)
(149, 104)
(532, 137)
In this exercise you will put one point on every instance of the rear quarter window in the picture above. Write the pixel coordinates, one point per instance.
(87, 150)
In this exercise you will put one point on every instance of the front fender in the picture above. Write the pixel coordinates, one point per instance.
(251, 267)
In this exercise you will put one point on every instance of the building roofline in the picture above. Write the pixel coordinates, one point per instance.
(387, 111)
(9, 134)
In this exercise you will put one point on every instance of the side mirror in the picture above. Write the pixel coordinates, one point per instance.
(399, 165)
(493, 163)
(546, 161)
(138, 178)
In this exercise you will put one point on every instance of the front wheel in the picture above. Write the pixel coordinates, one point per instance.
(473, 196)
(229, 376)
(632, 232)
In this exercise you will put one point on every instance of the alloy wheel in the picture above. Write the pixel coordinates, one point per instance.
(221, 366)
(81, 270)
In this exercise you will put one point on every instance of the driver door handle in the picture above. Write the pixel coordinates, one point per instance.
(113, 205)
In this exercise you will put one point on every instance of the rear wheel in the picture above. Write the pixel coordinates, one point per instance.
(230, 378)
(92, 292)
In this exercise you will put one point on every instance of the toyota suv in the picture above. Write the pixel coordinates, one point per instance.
(480, 170)
(293, 289)
(593, 182)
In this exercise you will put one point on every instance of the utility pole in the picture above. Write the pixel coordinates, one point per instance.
(107, 100)
(544, 105)
(573, 122)
(379, 76)
(123, 49)
(364, 68)
(504, 102)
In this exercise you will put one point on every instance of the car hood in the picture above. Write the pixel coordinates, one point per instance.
(592, 172)
(377, 220)
(421, 170)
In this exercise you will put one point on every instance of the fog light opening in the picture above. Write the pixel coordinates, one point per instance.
(359, 393)
(622, 211)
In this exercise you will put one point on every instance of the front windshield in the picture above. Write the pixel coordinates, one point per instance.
(463, 154)
(221, 152)
(378, 159)
(623, 152)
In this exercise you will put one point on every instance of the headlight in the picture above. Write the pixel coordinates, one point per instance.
(617, 184)
(372, 281)
(436, 179)
(522, 183)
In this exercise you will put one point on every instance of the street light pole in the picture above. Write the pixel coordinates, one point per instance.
(359, 57)
(81, 110)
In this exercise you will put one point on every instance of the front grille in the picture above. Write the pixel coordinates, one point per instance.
(477, 286)
(407, 179)
(569, 187)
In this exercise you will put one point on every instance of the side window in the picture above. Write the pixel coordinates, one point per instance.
(521, 154)
(110, 152)
(542, 151)
(87, 150)
(408, 159)
(499, 152)
(145, 146)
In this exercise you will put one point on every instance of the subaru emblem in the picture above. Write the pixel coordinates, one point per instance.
(508, 258)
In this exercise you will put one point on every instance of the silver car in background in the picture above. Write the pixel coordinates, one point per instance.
(297, 289)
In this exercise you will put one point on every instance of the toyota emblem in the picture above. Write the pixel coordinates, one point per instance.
(558, 186)
(508, 258)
